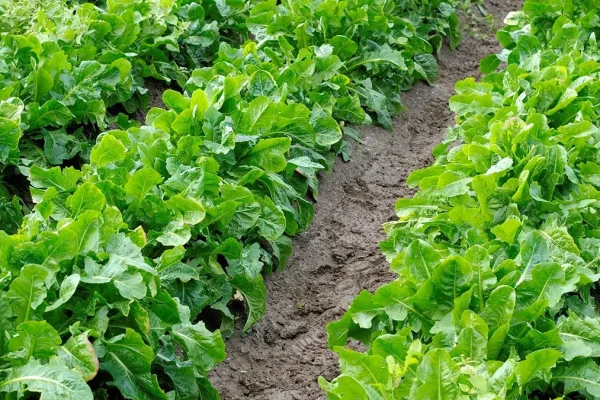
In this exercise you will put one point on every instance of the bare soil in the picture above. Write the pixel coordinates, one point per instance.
(284, 354)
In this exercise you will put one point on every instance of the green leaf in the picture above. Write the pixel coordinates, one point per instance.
(547, 282)
(395, 299)
(483, 276)
(84, 233)
(79, 354)
(507, 230)
(140, 184)
(271, 222)
(128, 359)
(452, 184)
(28, 291)
(64, 180)
(37, 339)
(367, 369)
(42, 83)
(499, 307)
(262, 83)
(421, 260)
(384, 54)
(344, 387)
(364, 308)
(452, 279)
(438, 377)
(337, 331)
(175, 100)
(58, 146)
(10, 134)
(472, 339)
(581, 375)
(86, 197)
(489, 64)
(343, 47)
(53, 113)
(580, 337)
(206, 349)
(327, 65)
(269, 154)
(427, 67)
(455, 31)
(254, 291)
(130, 286)
(536, 363)
(67, 290)
(472, 98)
(123, 255)
(192, 212)
(53, 381)
(395, 345)
(326, 128)
(184, 380)
(108, 150)
(534, 250)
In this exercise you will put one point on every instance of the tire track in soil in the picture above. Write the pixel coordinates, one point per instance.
(283, 354)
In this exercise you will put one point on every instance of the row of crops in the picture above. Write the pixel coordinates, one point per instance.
(125, 242)
(497, 255)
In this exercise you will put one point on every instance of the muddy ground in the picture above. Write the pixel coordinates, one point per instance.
(281, 358)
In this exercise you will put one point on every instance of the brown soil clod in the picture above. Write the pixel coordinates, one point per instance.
(285, 353)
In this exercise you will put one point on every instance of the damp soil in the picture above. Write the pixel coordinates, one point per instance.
(284, 354)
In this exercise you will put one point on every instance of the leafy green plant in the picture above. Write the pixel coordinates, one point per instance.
(69, 69)
(497, 254)
(68, 65)
(122, 272)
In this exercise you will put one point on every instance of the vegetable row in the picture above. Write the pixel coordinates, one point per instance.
(118, 281)
(70, 70)
(497, 255)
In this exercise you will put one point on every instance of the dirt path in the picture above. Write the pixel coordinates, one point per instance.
(281, 358)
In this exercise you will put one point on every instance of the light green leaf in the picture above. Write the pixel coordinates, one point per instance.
(580, 337)
(67, 290)
(28, 291)
(175, 100)
(262, 83)
(269, 154)
(452, 184)
(64, 180)
(535, 364)
(581, 375)
(86, 197)
(507, 230)
(37, 339)
(326, 128)
(53, 381)
(534, 250)
(130, 286)
(421, 260)
(108, 150)
(79, 354)
(367, 369)
(206, 349)
(438, 377)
